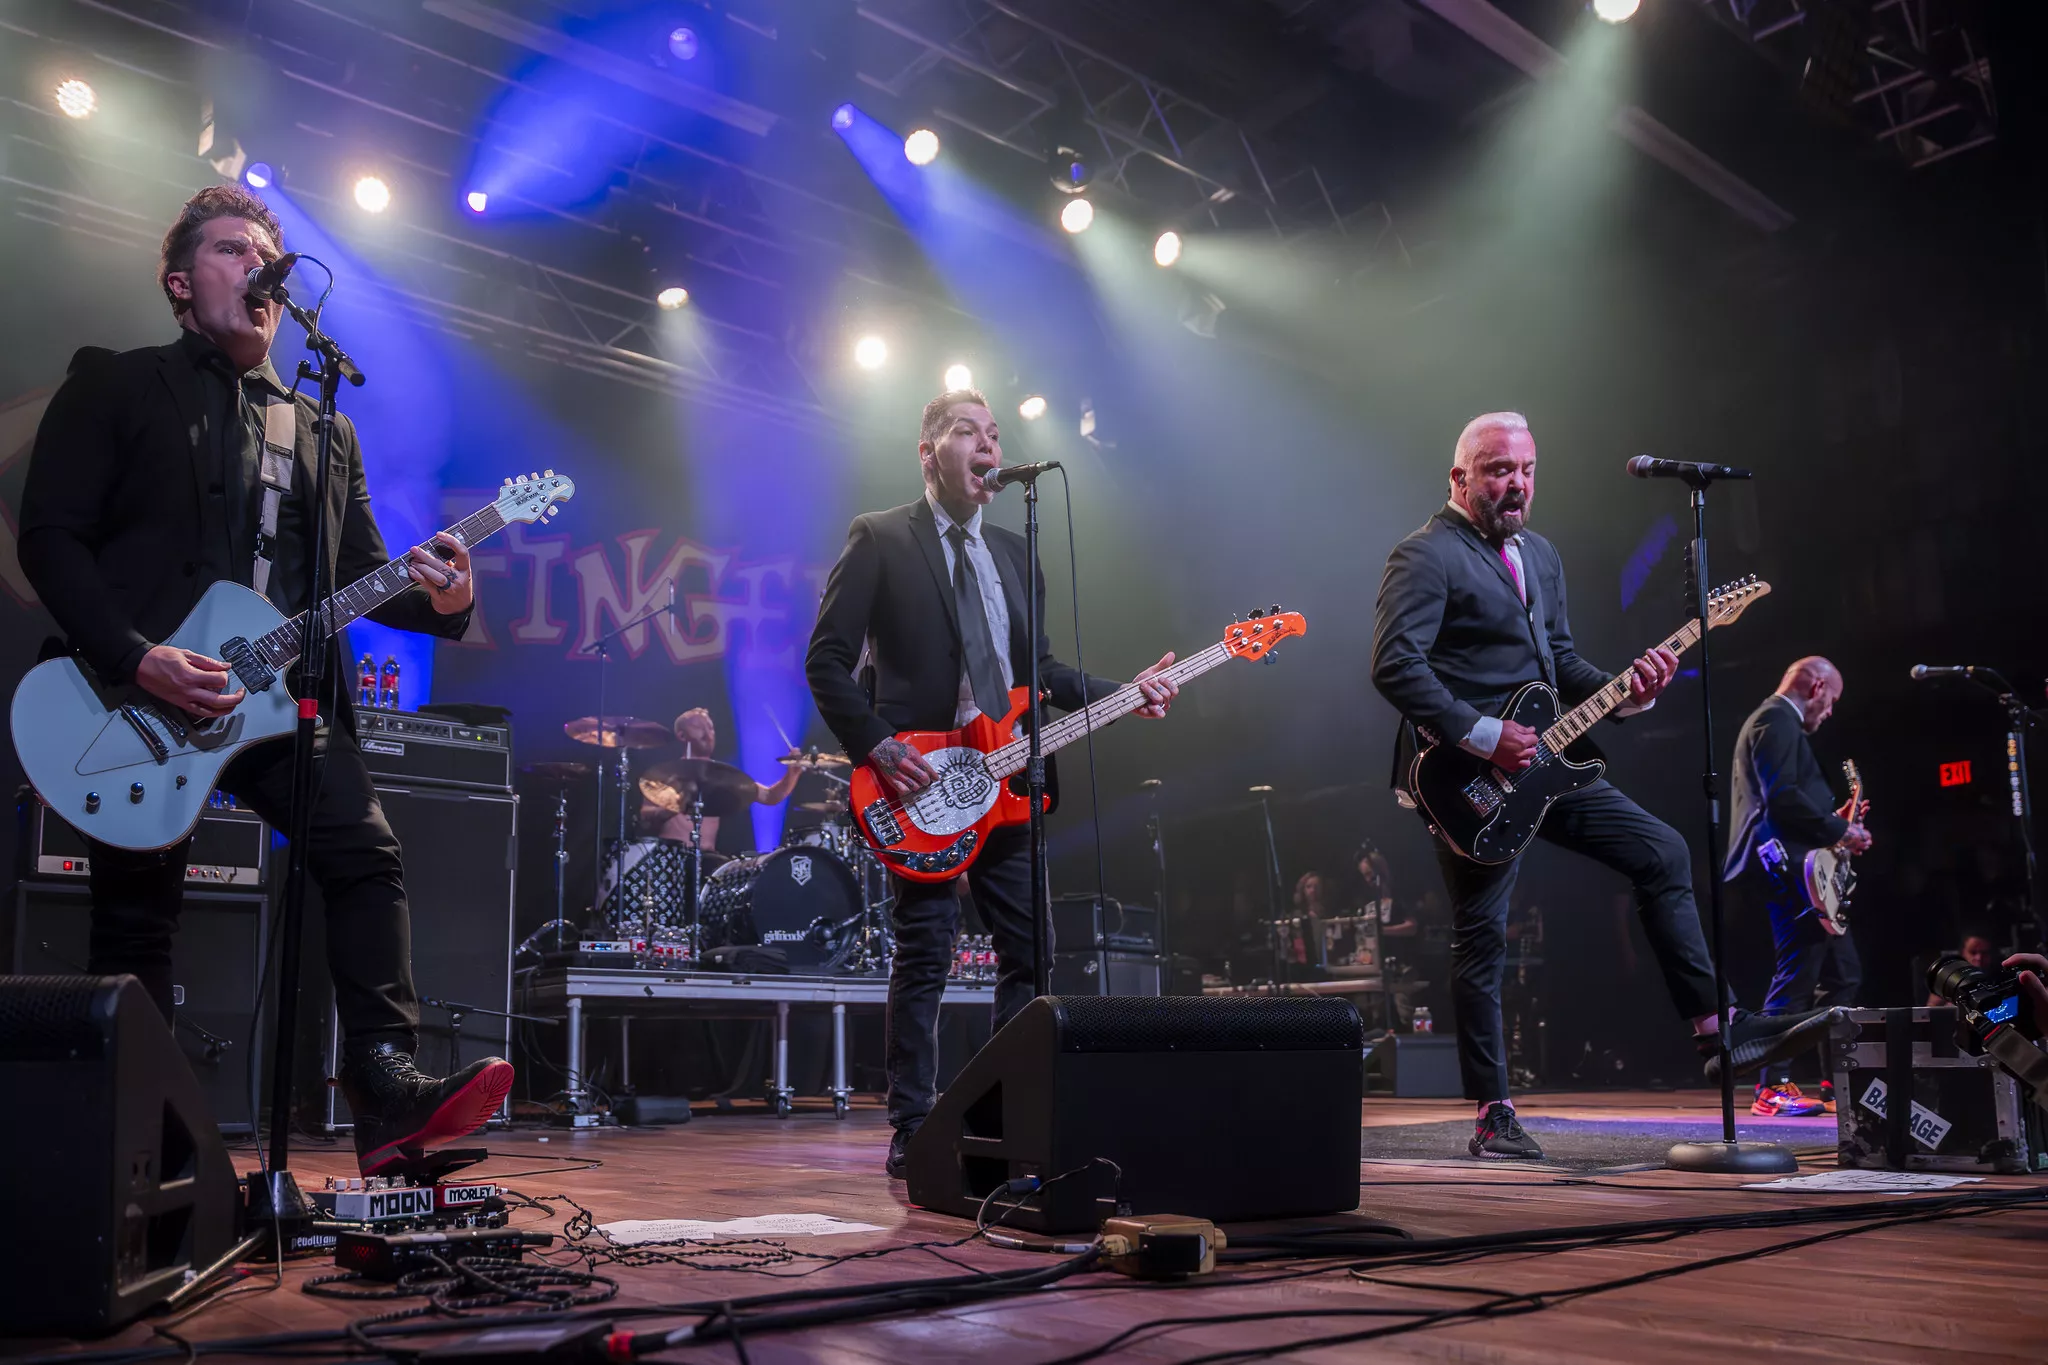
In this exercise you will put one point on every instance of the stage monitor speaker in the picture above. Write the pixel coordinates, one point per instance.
(1415, 1066)
(216, 961)
(1230, 1109)
(117, 1182)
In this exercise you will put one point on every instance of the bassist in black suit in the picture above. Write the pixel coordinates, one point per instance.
(1472, 606)
(1783, 810)
(921, 627)
(143, 490)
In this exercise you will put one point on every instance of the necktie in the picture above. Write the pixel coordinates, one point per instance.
(1513, 572)
(984, 673)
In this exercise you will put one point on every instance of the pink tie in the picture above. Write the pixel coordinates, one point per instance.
(1513, 572)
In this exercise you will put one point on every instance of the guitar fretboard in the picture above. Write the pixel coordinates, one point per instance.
(1010, 759)
(280, 647)
(1595, 708)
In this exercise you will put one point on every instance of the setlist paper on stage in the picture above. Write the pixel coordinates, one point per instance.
(641, 1231)
(1865, 1182)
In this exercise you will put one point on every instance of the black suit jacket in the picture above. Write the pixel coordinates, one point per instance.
(111, 511)
(890, 591)
(1453, 640)
(1780, 790)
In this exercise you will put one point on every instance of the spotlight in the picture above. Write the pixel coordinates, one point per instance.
(959, 377)
(672, 298)
(842, 117)
(682, 44)
(921, 147)
(1070, 172)
(1616, 11)
(870, 353)
(1077, 215)
(259, 175)
(1032, 408)
(76, 99)
(477, 200)
(1167, 249)
(372, 195)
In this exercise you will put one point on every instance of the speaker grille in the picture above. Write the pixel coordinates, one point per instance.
(43, 1018)
(1193, 1023)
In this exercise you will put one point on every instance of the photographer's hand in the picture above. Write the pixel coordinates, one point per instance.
(2033, 968)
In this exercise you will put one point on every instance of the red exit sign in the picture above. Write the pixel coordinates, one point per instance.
(1956, 774)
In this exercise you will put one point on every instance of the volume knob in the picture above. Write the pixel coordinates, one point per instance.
(92, 803)
(135, 793)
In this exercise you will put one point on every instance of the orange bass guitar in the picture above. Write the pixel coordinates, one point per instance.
(937, 833)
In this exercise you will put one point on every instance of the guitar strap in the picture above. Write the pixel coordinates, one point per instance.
(280, 456)
(1539, 630)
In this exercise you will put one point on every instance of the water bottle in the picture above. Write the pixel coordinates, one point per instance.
(366, 682)
(1423, 1023)
(387, 686)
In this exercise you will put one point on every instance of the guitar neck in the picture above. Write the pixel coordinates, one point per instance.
(1595, 708)
(1010, 759)
(280, 647)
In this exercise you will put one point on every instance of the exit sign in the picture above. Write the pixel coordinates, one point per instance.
(1956, 774)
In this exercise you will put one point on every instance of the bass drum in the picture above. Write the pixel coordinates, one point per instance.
(774, 899)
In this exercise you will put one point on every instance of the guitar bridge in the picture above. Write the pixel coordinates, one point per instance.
(938, 860)
(881, 822)
(1483, 795)
(241, 656)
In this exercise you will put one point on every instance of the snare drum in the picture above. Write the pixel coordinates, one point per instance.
(774, 900)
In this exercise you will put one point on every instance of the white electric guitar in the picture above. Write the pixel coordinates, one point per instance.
(1830, 879)
(135, 772)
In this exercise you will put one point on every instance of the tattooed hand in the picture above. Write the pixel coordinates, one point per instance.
(902, 768)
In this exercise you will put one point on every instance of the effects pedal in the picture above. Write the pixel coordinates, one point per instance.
(420, 1198)
(389, 1256)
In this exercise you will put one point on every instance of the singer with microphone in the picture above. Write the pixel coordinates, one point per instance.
(147, 484)
(921, 627)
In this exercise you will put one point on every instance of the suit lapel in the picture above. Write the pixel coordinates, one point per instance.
(1475, 542)
(1531, 609)
(189, 395)
(925, 531)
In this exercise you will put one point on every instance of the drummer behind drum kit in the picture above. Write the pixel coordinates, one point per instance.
(820, 900)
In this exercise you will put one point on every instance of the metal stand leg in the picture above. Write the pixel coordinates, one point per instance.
(780, 1093)
(840, 1092)
(625, 1053)
(575, 1086)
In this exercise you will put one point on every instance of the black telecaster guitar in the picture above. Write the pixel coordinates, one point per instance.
(1490, 816)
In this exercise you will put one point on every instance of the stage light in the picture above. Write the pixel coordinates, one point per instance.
(958, 377)
(842, 117)
(921, 147)
(76, 99)
(870, 353)
(372, 195)
(673, 297)
(1616, 11)
(477, 200)
(1032, 408)
(1077, 215)
(259, 175)
(682, 44)
(1167, 249)
(1070, 171)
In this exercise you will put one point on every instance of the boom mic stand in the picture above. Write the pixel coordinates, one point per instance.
(1726, 1157)
(1034, 767)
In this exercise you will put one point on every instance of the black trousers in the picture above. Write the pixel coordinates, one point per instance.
(927, 916)
(1606, 826)
(1814, 970)
(352, 856)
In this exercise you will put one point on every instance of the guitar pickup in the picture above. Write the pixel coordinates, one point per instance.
(157, 749)
(1483, 796)
(939, 859)
(881, 822)
(241, 656)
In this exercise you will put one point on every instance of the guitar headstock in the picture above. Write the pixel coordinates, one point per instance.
(1729, 601)
(1255, 637)
(534, 497)
(1855, 778)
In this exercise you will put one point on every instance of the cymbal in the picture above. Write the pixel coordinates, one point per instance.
(618, 732)
(558, 771)
(829, 807)
(816, 760)
(673, 785)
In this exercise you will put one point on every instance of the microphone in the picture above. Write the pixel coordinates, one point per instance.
(1645, 467)
(996, 480)
(1921, 672)
(671, 597)
(265, 279)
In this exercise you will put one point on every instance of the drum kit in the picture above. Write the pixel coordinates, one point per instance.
(821, 898)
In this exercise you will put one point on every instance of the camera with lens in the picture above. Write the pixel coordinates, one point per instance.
(1985, 1001)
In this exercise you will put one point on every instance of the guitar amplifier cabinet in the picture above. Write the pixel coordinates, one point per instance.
(230, 847)
(1103, 971)
(409, 747)
(1090, 921)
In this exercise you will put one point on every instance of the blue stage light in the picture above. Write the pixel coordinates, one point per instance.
(682, 44)
(259, 175)
(477, 200)
(842, 117)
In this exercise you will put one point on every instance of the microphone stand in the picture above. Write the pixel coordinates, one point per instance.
(1156, 830)
(1727, 1156)
(1034, 767)
(602, 649)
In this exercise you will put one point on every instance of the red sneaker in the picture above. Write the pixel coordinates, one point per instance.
(1783, 1101)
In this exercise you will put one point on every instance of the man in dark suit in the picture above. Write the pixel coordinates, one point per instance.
(145, 487)
(1471, 607)
(1784, 809)
(926, 605)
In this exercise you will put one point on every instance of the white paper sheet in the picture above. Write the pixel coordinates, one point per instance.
(639, 1231)
(1866, 1182)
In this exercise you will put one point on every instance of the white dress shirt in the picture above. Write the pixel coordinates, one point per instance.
(991, 584)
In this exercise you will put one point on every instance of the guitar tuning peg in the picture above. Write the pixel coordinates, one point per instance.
(1255, 613)
(1271, 655)
(1273, 610)
(508, 483)
(549, 472)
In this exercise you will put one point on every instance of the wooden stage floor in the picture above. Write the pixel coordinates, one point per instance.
(1961, 1290)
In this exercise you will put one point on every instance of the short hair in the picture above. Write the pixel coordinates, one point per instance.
(1461, 453)
(181, 243)
(933, 424)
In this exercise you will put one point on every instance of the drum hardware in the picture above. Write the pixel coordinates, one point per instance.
(812, 758)
(833, 805)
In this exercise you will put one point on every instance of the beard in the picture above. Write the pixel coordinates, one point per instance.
(1488, 514)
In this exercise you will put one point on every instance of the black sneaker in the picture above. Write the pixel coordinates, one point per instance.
(1499, 1136)
(399, 1112)
(898, 1164)
(1759, 1039)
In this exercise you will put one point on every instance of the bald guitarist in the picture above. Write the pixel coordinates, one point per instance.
(926, 605)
